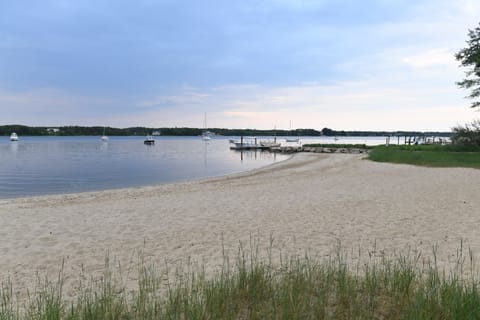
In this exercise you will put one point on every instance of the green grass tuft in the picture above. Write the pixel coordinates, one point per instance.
(297, 288)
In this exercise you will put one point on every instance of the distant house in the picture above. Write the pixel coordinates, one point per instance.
(53, 130)
(156, 133)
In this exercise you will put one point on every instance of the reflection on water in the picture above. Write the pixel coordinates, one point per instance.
(254, 154)
(48, 165)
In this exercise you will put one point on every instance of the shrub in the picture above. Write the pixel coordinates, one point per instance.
(469, 135)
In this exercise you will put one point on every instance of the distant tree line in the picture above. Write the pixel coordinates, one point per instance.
(98, 131)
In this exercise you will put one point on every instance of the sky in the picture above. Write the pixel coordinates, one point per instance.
(340, 64)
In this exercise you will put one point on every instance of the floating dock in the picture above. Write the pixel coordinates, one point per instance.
(249, 144)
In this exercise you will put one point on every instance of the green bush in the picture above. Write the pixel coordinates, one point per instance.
(469, 135)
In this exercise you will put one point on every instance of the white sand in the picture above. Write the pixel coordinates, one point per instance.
(306, 203)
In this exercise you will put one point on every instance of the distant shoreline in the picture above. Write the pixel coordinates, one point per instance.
(6, 130)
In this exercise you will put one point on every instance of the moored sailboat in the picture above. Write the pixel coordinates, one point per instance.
(13, 137)
(206, 135)
(104, 138)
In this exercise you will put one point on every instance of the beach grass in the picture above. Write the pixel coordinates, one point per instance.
(401, 287)
(428, 155)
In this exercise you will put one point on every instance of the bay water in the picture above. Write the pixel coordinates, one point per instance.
(53, 165)
(45, 165)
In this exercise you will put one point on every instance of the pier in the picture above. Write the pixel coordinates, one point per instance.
(252, 144)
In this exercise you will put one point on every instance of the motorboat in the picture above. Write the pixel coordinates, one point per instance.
(149, 140)
(13, 137)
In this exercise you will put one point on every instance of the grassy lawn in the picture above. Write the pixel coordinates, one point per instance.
(428, 155)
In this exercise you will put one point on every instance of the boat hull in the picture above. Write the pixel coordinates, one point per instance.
(14, 137)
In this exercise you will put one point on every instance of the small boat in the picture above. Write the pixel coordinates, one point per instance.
(149, 140)
(292, 139)
(269, 144)
(104, 138)
(13, 137)
(206, 135)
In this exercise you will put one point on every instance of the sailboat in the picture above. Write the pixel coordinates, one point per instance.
(206, 135)
(271, 144)
(13, 137)
(104, 137)
(292, 139)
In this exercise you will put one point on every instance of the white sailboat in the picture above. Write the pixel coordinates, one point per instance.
(206, 135)
(269, 143)
(13, 137)
(104, 137)
(292, 139)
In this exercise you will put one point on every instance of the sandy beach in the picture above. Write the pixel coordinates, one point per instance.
(310, 203)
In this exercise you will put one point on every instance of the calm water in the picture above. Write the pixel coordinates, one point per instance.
(52, 165)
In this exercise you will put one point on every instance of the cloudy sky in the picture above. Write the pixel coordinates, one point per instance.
(342, 64)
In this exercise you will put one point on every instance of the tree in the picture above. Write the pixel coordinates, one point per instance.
(470, 57)
(469, 135)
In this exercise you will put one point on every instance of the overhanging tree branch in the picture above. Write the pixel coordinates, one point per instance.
(469, 57)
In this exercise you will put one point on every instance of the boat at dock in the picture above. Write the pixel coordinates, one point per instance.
(13, 137)
(249, 144)
(269, 144)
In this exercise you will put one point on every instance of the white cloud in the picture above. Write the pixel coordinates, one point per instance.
(431, 58)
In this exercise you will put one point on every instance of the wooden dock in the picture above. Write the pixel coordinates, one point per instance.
(249, 144)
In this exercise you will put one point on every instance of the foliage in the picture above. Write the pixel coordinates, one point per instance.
(470, 57)
(468, 135)
(183, 131)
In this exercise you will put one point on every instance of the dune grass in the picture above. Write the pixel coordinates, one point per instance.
(428, 155)
(255, 288)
